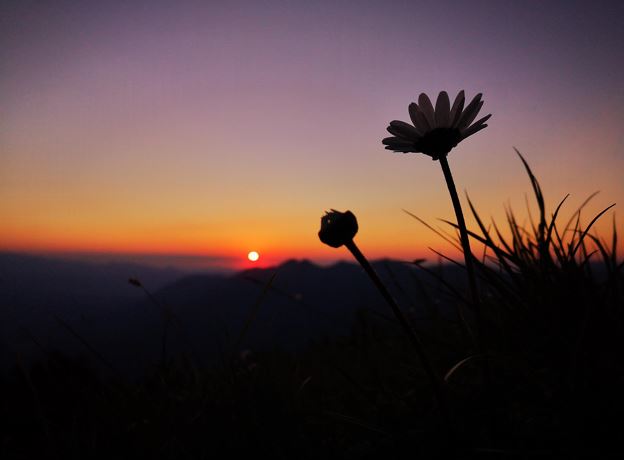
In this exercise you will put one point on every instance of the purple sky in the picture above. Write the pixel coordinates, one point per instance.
(221, 127)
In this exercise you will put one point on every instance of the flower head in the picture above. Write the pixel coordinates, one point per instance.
(435, 132)
(337, 228)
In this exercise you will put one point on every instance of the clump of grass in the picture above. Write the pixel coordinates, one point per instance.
(557, 277)
(553, 305)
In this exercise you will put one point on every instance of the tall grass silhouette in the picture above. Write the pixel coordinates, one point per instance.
(553, 303)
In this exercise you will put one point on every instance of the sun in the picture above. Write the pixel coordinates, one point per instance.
(253, 256)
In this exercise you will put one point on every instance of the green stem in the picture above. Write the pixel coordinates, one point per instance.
(465, 242)
(436, 383)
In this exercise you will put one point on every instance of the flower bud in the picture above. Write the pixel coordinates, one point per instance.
(337, 228)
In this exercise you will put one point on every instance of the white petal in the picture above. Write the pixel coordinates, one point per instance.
(424, 104)
(457, 108)
(466, 111)
(406, 150)
(470, 112)
(413, 111)
(442, 110)
(404, 129)
(421, 124)
(480, 121)
(398, 133)
(396, 142)
(473, 129)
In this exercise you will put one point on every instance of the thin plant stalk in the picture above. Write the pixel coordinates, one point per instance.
(465, 243)
(472, 279)
(435, 381)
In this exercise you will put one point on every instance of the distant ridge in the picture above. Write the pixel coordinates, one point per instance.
(304, 302)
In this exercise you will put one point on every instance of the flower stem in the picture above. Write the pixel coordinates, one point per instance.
(436, 383)
(465, 242)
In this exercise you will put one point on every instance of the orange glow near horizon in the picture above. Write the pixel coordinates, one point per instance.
(403, 238)
(75, 222)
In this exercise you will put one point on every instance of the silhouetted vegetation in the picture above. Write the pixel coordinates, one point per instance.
(552, 300)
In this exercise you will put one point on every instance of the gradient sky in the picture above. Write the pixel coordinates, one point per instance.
(208, 129)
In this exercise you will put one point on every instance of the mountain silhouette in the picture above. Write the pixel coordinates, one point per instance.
(47, 303)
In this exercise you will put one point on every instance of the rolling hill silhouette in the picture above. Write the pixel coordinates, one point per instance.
(53, 304)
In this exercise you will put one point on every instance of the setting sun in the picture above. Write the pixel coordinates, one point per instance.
(253, 256)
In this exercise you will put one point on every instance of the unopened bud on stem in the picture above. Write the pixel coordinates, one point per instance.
(338, 228)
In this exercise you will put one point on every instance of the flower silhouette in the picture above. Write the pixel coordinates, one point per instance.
(338, 228)
(435, 132)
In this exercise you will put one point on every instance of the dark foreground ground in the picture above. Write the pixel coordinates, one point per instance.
(357, 397)
(204, 379)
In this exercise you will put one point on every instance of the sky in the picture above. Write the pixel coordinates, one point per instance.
(204, 130)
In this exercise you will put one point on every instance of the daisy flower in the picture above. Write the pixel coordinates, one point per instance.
(435, 131)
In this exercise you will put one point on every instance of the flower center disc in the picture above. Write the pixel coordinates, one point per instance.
(439, 141)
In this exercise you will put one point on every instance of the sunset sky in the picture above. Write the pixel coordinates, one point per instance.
(199, 130)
